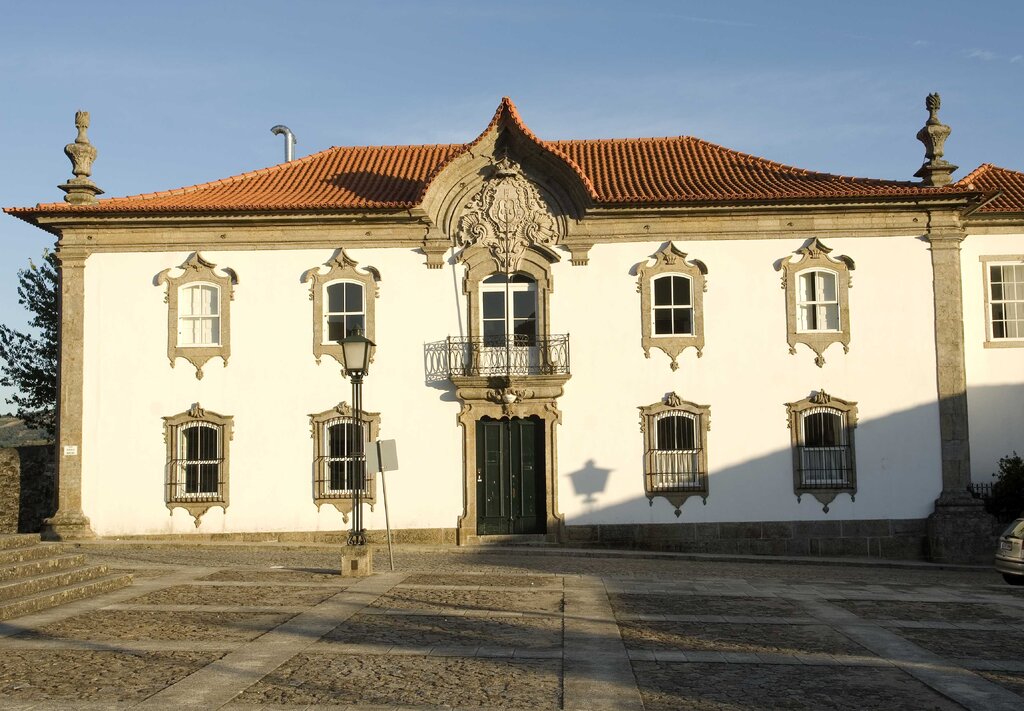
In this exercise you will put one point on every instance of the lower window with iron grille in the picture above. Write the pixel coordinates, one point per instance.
(823, 447)
(197, 463)
(339, 460)
(675, 456)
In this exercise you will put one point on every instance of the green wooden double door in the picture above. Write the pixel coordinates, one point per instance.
(510, 476)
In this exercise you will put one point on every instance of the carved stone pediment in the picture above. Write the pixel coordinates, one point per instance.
(507, 216)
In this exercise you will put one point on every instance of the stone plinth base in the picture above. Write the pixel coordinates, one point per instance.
(960, 531)
(67, 527)
(356, 561)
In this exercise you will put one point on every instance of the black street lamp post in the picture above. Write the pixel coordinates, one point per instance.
(355, 354)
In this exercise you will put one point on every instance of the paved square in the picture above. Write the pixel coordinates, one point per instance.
(272, 627)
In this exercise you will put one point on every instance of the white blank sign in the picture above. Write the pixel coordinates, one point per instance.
(381, 456)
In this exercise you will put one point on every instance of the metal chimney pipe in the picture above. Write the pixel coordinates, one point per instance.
(289, 140)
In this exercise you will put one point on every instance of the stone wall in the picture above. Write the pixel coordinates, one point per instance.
(904, 539)
(27, 488)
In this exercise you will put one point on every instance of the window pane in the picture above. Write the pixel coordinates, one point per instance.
(681, 291)
(997, 291)
(830, 317)
(806, 287)
(335, 328)
(822, 429)
(352, 323)
(336, 298)
(526, 327)
(336, 445)
(524, 304)
(494, 330)
(663, 321)
(682, 321)
(828, 286)
(663, 291)
(522, 279)
(995, 273)
(336, 474)
(211, 331)
(495, 279)
(675, 432)
(353, 297)
(808, 318)
(493, 304)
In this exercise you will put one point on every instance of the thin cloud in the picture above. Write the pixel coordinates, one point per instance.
(921, 43)
(982, 54)
(1017, 59)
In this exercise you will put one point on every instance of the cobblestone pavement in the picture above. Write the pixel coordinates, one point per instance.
(274, 627)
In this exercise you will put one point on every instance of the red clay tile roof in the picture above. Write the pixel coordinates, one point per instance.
(652, 171)
(991, 178)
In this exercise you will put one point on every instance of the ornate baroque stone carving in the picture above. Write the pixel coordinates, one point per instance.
(80, 189)
(507, 215)
(815, 255)
(667, 261)
(197, 269)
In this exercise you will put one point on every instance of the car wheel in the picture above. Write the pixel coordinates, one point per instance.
(1013, 579)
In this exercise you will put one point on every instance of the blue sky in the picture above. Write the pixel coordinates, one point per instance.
(186, 92)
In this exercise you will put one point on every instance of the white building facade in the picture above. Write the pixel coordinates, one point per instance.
(655, 342)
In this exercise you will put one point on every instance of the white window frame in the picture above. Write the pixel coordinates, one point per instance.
(340, 268)
(185, 302)
(671, 308)
(326, 339)
(818, 303)
(991, 340)
(508, 291)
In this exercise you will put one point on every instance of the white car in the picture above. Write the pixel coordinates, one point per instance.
(1010, 553)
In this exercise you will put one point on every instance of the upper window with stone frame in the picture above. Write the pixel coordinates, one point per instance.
(824, 463)
(1004, 301)
(817, 299)
(198, 312)
(344, 299)
(197, 460)
(675, 449)
(339, 462)
(672, 303)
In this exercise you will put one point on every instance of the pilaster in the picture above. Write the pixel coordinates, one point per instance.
(70, 522)
(959, 530)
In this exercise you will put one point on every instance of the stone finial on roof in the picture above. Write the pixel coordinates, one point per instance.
(935, 172)
(80, 189)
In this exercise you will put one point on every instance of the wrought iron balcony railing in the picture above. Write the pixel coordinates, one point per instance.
(497, 356)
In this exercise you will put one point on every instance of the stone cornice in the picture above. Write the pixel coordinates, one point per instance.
(406, 229)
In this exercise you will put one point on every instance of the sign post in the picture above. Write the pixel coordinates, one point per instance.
(382, 456)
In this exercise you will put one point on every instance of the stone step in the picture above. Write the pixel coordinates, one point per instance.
(18, 540)
(35, 551)
(62, 595)
(41, 566)
(40, 583)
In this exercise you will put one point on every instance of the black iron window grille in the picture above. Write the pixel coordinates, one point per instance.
(824, 455)
(195, 474)
(674, 464)
(341, 469)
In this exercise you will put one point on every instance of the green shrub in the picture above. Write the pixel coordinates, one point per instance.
(1007, 501)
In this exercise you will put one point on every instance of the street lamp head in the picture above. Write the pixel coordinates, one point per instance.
(355, 352)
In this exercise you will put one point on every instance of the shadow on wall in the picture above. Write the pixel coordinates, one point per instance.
(997, 427)
(28, 492)
(886, 449)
